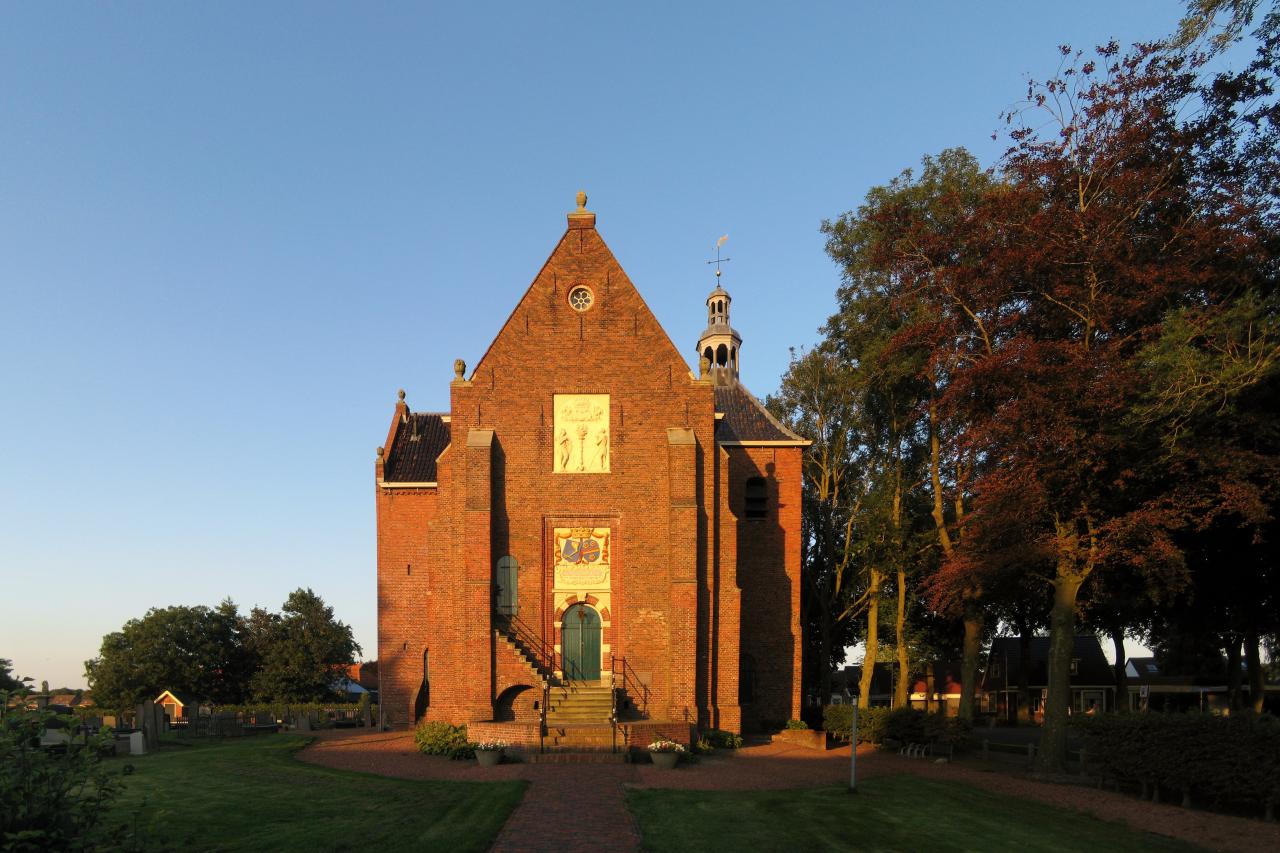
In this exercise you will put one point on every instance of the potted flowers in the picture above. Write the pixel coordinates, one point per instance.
(665, 753)
(489, 752)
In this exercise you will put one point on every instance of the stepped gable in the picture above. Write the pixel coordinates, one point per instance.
(746, 419)
(420, 439)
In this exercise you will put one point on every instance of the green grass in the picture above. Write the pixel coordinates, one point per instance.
(253, 794)
(887, 813)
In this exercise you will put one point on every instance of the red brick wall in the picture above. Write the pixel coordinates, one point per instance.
(768, 570)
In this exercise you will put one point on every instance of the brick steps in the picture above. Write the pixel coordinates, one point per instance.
(577, 757)
(580, 704)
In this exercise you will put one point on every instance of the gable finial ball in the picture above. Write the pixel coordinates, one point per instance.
(400, 394)
(704, 365)
(582, 200)
(381, 452)
(459, 367)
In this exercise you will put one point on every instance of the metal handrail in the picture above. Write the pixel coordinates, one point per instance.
(630, 683)
(542, 652)
(542, 725)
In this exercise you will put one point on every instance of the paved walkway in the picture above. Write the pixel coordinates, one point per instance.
(582, 807)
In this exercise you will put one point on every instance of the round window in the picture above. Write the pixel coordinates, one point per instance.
(580, 298)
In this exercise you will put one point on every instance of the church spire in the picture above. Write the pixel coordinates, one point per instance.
(720, 344)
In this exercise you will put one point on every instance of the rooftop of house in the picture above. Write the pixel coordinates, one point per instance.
(1092, 668)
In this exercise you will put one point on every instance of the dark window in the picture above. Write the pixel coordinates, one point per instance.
(757, 498)
(1075, 666)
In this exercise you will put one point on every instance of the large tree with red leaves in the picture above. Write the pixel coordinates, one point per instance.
(1102, 231)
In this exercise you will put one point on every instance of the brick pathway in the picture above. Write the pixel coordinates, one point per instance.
(574, 808)
(582, 807)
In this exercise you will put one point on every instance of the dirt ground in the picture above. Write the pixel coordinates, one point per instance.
(762, 766)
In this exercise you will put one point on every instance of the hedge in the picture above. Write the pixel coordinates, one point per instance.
(907, 725)
(1224, 761)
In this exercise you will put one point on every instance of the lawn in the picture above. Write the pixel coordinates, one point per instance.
(253, 794)
(887, 813)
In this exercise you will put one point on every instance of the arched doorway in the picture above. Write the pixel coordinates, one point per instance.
(580, 644)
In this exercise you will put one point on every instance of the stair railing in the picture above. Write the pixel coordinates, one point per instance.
(624, 677)
(542, 652)
(542, 723)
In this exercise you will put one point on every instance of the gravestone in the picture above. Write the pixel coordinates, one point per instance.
(146, 720)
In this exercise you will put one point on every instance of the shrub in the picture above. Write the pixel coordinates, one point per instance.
(903, 724)
(439, 738)
(1231, 761)
(720, 739)
(52, 799)
(797, 725)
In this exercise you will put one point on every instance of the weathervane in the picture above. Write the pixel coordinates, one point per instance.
(719, 260)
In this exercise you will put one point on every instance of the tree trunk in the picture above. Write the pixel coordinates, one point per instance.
(969, 659)
(1257, 680)
(1024, 678)
(1122, 678)
(1235, 677)
(902, 690)
(1052, 755)
(873, 641)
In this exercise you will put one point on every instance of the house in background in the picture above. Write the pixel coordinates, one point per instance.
(844, 686)
(938, 685)
(359, 679)
(1150, 688)
(1093, 685)
(179, 705)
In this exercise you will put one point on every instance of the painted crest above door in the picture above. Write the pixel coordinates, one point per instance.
(582, 557)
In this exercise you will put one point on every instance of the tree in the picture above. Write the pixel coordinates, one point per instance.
(193, 649)
(911, 318)
(303, 651)
(1108, 225)
(817, 400)
(8, 683)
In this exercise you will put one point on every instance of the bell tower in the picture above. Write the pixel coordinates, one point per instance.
(719, 344)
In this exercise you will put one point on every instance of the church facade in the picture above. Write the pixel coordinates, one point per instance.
(593, 534)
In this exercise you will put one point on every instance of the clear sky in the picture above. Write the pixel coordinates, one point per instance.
(229, 232)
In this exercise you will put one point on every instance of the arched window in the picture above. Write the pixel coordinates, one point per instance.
(507, 584)
(722, 355)
(757, 498)
(710, 355)
(733, 356)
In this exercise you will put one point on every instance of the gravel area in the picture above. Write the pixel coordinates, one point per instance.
(778, 766)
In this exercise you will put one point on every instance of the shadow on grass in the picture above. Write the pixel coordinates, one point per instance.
(887, 813)
(252, 794)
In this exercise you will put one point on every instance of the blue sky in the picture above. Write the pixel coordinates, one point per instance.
(229, 232)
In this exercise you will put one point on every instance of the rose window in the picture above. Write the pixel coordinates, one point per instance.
(580, 298)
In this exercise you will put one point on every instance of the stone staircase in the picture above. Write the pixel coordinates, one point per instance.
(577, 703)
(513, 642)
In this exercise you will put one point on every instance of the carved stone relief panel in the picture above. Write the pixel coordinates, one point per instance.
(581, 434)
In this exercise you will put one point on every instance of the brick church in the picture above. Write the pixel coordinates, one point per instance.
(593, 535)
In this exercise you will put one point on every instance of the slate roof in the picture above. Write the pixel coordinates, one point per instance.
(1093, 670)
(417, 444)
(745, 418)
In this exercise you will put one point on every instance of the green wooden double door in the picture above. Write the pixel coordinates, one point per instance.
(580, 644)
